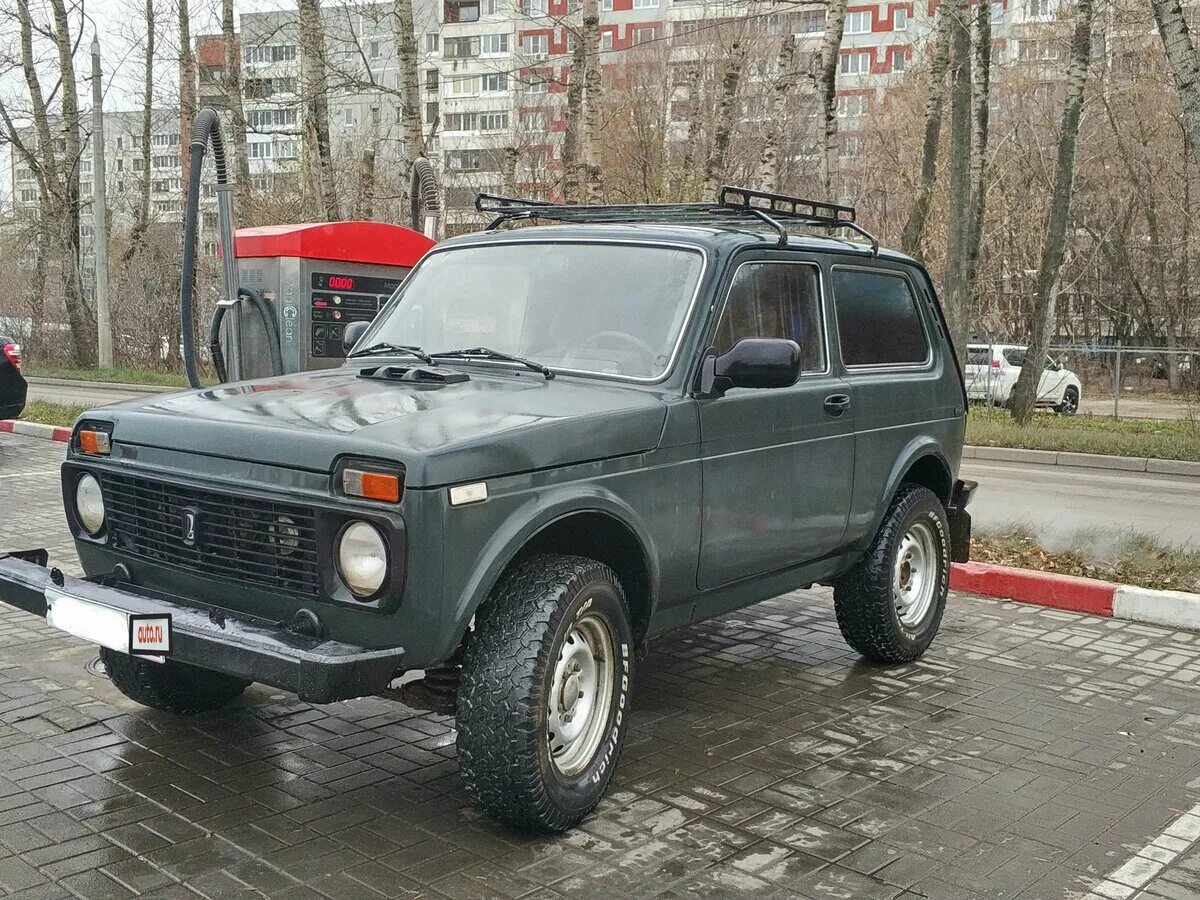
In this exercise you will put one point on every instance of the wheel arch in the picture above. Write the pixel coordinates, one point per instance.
(598, 525)
(923, 463)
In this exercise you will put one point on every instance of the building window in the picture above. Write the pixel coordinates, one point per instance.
(464, 160)
(606, 41)
(373, 50)
(535, 85)
(260, 119)
(856, 63)
(168, 161)
(29, 195)
(535, 46)
(431, 112)
(431, 42)
(431, 79)
(493, 121)
(900, 19)
(494, 44)
(489, 7)
(858, 22)
(534, 122)
(643, 34)
(810, 21)
(645, 4)
(534, 7)
(270, 53)
(898, 59)
(459, 122)
(997, 13)
(606, 5)
(166, 140)
(851, 106)
(1038, 9)
(494, 83)
(462, 85)
(460, 48)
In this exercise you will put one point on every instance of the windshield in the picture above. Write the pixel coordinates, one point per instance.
(604, 308)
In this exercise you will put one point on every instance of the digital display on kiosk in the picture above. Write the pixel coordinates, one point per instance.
(356, 284)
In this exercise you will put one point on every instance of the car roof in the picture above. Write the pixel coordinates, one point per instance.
(702, 237)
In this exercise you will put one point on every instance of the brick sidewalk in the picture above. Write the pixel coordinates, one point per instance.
(1030, 754)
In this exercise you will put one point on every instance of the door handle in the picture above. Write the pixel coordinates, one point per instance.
(836, 404)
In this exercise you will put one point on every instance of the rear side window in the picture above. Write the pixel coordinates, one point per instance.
(1015, 357)
(978, 356)
(775, 300)
(878, 322)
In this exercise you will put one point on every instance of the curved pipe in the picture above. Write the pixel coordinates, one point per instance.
(425, 196)
(270, 325)
(205, 130)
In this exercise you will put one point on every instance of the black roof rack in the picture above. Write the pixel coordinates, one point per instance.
(736, 207)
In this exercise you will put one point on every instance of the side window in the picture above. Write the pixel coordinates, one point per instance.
(1015, 358)
(878, 321)
(775, 300)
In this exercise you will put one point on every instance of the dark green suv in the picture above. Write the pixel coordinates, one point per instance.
(552, 445)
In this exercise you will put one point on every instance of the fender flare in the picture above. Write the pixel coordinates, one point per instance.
(535, 515)
(915, 450)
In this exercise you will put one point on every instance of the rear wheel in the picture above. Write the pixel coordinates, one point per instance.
(544, 702)
(172, 687)
(889, 606)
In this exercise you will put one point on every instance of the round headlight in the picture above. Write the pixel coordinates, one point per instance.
(362, 558)
(89, 503)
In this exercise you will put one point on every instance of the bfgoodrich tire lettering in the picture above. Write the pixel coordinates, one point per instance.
(511, 672)
(172, 687)
(865, 599)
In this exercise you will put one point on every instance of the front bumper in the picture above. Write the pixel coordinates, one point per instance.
(319, 671)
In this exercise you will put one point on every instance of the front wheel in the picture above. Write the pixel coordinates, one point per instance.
(544, 702)
(889, 606)
(170, 686)
(1070, 402)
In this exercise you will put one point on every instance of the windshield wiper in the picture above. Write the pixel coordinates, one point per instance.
(489, 353)
(386, 347)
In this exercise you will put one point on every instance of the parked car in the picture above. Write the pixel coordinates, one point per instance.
(992, 372)
(13, 387)
(656, 415)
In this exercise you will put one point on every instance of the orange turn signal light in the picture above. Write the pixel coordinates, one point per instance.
(97, 442)
(371, 485)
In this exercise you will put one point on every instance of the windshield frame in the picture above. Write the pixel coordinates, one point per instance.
(684, 327)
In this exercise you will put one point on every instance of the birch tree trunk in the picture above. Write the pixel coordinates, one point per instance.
(574, 113)
(979, 136)
(412, 141)
(80, 315)
(593, 86)
(142, 220)
(785, 83)
(718, 158)
(939, 55)
(959, 201)
(237, 112)
(1183, 63)
(187, 84)
(318, 155)
(831, 45)
(1055, 236)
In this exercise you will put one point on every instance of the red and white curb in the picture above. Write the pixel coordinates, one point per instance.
(35, 429)
(1173, 609)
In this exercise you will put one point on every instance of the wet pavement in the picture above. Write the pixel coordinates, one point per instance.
(1031, 753)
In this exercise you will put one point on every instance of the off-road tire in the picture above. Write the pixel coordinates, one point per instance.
(172, 687)
(863, 599)
(503, 746)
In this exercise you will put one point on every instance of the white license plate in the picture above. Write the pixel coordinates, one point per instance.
(134, 633)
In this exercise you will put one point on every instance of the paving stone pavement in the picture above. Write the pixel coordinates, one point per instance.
(1030, 754)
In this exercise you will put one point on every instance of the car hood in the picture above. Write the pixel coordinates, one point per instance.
(493, 424)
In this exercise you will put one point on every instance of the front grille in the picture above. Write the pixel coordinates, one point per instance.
(248, 540)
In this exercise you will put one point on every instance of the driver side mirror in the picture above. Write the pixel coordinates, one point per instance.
(752, 363)
(351, 334)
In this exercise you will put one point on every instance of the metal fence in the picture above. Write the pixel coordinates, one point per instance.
(1113, 380)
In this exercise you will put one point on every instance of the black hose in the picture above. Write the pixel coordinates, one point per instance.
(205, 130)
(270, 324)
(214, 344)
(423, 193)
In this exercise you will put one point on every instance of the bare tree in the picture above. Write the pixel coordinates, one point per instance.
(411, 139)
(781, 89)
(718, 158)
(959, 213)
(187, 82)
(237, 112)
(939, 55)
(980, 122)
(831, 45)
(572, 121)
(592, 88)
(1054, 239)
(142, 218)
(318, 155)
(1183, 61)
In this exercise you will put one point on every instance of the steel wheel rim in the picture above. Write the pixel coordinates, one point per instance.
(915, 575)
(580, 695)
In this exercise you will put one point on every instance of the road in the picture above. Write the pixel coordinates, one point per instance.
(86, 393)
(1032, 754)
(1059, 500)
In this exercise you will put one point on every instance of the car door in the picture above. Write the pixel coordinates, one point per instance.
(1052, 383)
(778, 463)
